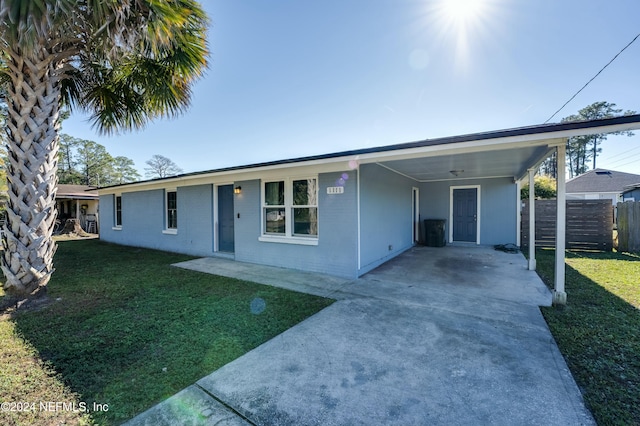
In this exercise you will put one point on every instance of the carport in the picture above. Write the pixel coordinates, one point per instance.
(464, 162)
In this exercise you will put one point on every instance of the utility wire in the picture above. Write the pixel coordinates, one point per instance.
(620, 160)
(626, 164)
(625, 153)
(593, 78)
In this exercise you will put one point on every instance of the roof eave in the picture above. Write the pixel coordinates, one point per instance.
(551, 134)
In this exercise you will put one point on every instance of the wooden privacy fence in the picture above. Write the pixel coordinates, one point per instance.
(629, 226)
(589, 224)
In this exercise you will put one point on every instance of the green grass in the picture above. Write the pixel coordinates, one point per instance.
(126, 329)
(24, 377)
(598, 331)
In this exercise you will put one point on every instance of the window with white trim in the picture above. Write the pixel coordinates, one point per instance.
(274, 208)
(290, 208)
(171, 207)
(305, 207)
(117, 203)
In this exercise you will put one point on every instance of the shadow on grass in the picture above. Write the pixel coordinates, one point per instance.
(597, 333)
(128, 330)
(581, 254)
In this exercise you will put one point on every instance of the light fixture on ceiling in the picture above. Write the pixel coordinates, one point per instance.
(456, 173)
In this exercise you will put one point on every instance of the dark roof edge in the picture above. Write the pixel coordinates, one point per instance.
(632, 186)
(518, 131)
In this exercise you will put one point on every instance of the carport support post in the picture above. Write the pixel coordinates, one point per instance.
(559, 295)
(532, 221)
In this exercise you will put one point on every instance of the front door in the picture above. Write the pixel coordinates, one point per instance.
(225, 218)
(465, 214)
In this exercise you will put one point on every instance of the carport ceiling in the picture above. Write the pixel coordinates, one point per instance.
(512, 163)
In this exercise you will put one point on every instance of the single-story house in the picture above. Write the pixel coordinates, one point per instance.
(600, 184)
(346, 213)
(78, 202)
(631, 192)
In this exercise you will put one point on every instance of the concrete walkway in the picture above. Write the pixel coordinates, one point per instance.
(436, 336)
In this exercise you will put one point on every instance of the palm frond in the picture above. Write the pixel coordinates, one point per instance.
(24, 25)
(126, 62)
(114, 105)
(155, 77)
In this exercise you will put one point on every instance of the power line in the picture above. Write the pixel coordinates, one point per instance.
(593, 78)
(615, 162)
(624, 153)
(626, 164)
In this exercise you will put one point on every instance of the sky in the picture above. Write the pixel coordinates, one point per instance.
(291, 78)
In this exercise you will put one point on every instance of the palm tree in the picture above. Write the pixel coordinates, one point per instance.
(125, 62)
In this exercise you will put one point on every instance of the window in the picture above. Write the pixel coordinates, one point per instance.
(305, 210)
(275, 211)
(290, 208)
(118, 210)
(171, 203)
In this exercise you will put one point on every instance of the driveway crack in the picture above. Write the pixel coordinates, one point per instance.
(227, 406)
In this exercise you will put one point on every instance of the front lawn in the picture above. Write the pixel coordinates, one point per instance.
(598, 331)
(127, 330)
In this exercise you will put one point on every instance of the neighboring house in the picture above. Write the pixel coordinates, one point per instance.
(79, 202)
(348, 212)
(600, 184)
(631, 193)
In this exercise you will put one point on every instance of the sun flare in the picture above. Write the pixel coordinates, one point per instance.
(458, 29)
(462, 11)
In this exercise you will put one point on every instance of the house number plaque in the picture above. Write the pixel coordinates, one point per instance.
(335, 190)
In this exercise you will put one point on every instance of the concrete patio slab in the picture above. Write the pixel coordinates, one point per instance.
(304, 282)
(466, 271)
(420, 340)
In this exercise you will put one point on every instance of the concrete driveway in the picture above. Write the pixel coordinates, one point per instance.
(436, 336)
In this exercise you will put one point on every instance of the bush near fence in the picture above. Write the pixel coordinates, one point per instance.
(589, 224)
(629, 226)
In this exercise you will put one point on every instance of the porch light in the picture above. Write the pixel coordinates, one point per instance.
(237, 190)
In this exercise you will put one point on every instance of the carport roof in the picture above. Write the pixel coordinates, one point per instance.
(501, 153)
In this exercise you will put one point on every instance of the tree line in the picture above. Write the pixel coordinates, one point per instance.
(583, 150)
(85, 162)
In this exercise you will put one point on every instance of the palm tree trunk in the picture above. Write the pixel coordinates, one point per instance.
(34, 102)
